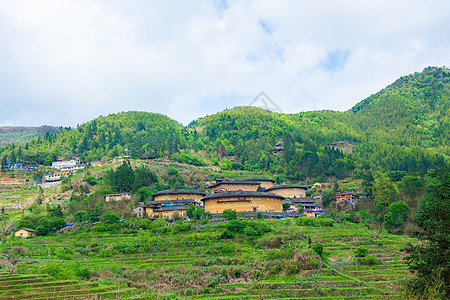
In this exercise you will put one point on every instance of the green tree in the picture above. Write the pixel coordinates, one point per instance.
(4, 163)
(143, 193)
(385, 191)
(429, 260)
(81, 216)
(396, 215)
(328, 196)
(190, 210)
(286, 206)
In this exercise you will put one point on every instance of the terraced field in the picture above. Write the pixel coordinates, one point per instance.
(197, 264)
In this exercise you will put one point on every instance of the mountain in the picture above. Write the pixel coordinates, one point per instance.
(404, 127)
(9, 134)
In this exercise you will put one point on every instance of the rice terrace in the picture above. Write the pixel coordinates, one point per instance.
(292, 258)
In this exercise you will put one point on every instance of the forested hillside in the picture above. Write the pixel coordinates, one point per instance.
(139, 134)
(11, 134)
(404, 127)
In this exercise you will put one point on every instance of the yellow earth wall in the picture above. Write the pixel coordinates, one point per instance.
(24, 233)
(266, 184)
(267, 204)
(290, 192)
(235, 187)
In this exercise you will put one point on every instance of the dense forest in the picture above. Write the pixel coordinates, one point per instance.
(404, 127)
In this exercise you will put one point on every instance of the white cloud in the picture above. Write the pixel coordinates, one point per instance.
(66, 62)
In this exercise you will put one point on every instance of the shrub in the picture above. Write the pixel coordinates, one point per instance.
(270, 242)
(110, 217)
(57, 271)
(250, 231)
(370, 260)
(235, 226)
(226, 235)
(361, 252)
(230, 214)
(318, 248)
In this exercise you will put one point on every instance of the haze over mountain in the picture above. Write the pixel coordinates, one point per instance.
(404, 127)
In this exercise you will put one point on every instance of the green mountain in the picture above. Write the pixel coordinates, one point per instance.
(10, 134)
(404, 127)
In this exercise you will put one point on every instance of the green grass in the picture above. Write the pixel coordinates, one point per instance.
(196, 264)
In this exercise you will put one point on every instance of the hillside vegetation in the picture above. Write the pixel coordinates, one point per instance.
(11, 134)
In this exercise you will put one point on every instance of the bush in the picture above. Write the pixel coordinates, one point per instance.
(370, 260)
(318, 248)
(361, 252)
(230, 214)
(226, 235)
(110, 217)
(250, 231)
(235, 226)
(315, 222)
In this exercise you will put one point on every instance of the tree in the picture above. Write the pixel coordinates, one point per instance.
(396, 215)
(429, 260)
(143, 193)
(190, 210)
(286, 207)
(4, 163)
(385, 191)
(328, 196)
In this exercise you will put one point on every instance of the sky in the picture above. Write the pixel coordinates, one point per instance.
(66, 62)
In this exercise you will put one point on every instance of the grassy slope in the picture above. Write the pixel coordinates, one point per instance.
(164, 262)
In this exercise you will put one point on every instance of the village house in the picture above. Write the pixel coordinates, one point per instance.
(167, 208)
(65, 164)
(309, 207)
(243, 201)
(234, 185)
(290, 191)
(212, 181)
(139, 211)
(25, 232)
(264, 183)
(117, 197)
(344, 197)
(52, 177)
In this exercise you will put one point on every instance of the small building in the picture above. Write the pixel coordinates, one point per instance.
(211, 181)
(65, 164)
(264, 183)
(344, 197)
(117, 197)
(179, 194)
(25, 232)
(278, 147)
(243, 201)
(290, 191)
(52, 177)
(309, 207)
(234, 185)
(167, 208)
(139, 211)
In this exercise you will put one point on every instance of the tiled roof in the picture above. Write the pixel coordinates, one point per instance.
(179, 191)
(257, 179)
(170, 201)
(235, 182)
(241, 194)
(289, 186)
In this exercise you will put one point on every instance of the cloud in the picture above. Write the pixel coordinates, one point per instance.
(66, 62)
